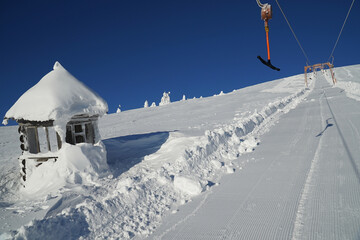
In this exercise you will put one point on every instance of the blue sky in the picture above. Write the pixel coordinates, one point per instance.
(134, 50)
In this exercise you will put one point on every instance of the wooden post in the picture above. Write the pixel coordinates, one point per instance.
(58, 138)
(332, 72)
(305, 70)
(47, 138)
(322, 67)
(333, 76)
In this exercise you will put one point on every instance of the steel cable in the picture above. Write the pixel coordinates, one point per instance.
(302, 49)
(332, 52)
(259, 3)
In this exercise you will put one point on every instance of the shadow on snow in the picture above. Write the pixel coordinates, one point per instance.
(327, 126)
(127, 151)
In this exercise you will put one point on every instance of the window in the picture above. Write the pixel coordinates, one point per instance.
(39, 139)
(80, 132)
(79, 139)
(33, 139)
(78, 128)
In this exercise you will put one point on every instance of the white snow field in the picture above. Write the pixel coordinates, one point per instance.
(271, 161)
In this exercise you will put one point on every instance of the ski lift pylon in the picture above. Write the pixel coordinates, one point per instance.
(266, 15)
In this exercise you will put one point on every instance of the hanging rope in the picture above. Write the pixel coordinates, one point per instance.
(307, 59)
(332, 52)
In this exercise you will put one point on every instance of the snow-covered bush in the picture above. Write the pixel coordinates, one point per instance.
(220, 94)
(118, 109)
(165, 99)
(153, 104)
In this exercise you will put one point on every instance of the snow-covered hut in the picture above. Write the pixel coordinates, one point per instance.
(59, 105)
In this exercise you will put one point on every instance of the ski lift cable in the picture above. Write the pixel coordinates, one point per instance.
(332, 52)
(259, 3)
(302, 49)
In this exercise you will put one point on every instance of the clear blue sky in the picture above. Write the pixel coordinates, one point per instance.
(130, 51)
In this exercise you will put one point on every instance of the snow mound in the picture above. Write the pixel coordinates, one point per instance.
(187, 185)
(58, 95)
(76, 165)
(63, 226)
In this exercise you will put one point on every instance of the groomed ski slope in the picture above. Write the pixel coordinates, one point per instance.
(272, 161)
(302, 183)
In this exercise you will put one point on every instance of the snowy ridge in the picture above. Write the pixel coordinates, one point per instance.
(134, 203)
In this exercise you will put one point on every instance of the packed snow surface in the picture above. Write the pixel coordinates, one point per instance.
(272, 161)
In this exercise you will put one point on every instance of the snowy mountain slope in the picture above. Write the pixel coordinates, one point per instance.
(200, 113)
(159, 158)
(302, 182)
(349, 80)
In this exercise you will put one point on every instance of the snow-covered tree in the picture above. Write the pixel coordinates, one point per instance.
(118, 109)
(183, 98)
(146, 104)
(221, 93)
(165, 99)
(153, 104)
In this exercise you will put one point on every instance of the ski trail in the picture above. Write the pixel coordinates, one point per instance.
(299, 220)
(227, 233)
(348, 152)
(307, 189)
(185, 218)
(328, 207)
(238, 201)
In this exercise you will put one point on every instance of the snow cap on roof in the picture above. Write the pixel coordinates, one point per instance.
(58, 95)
